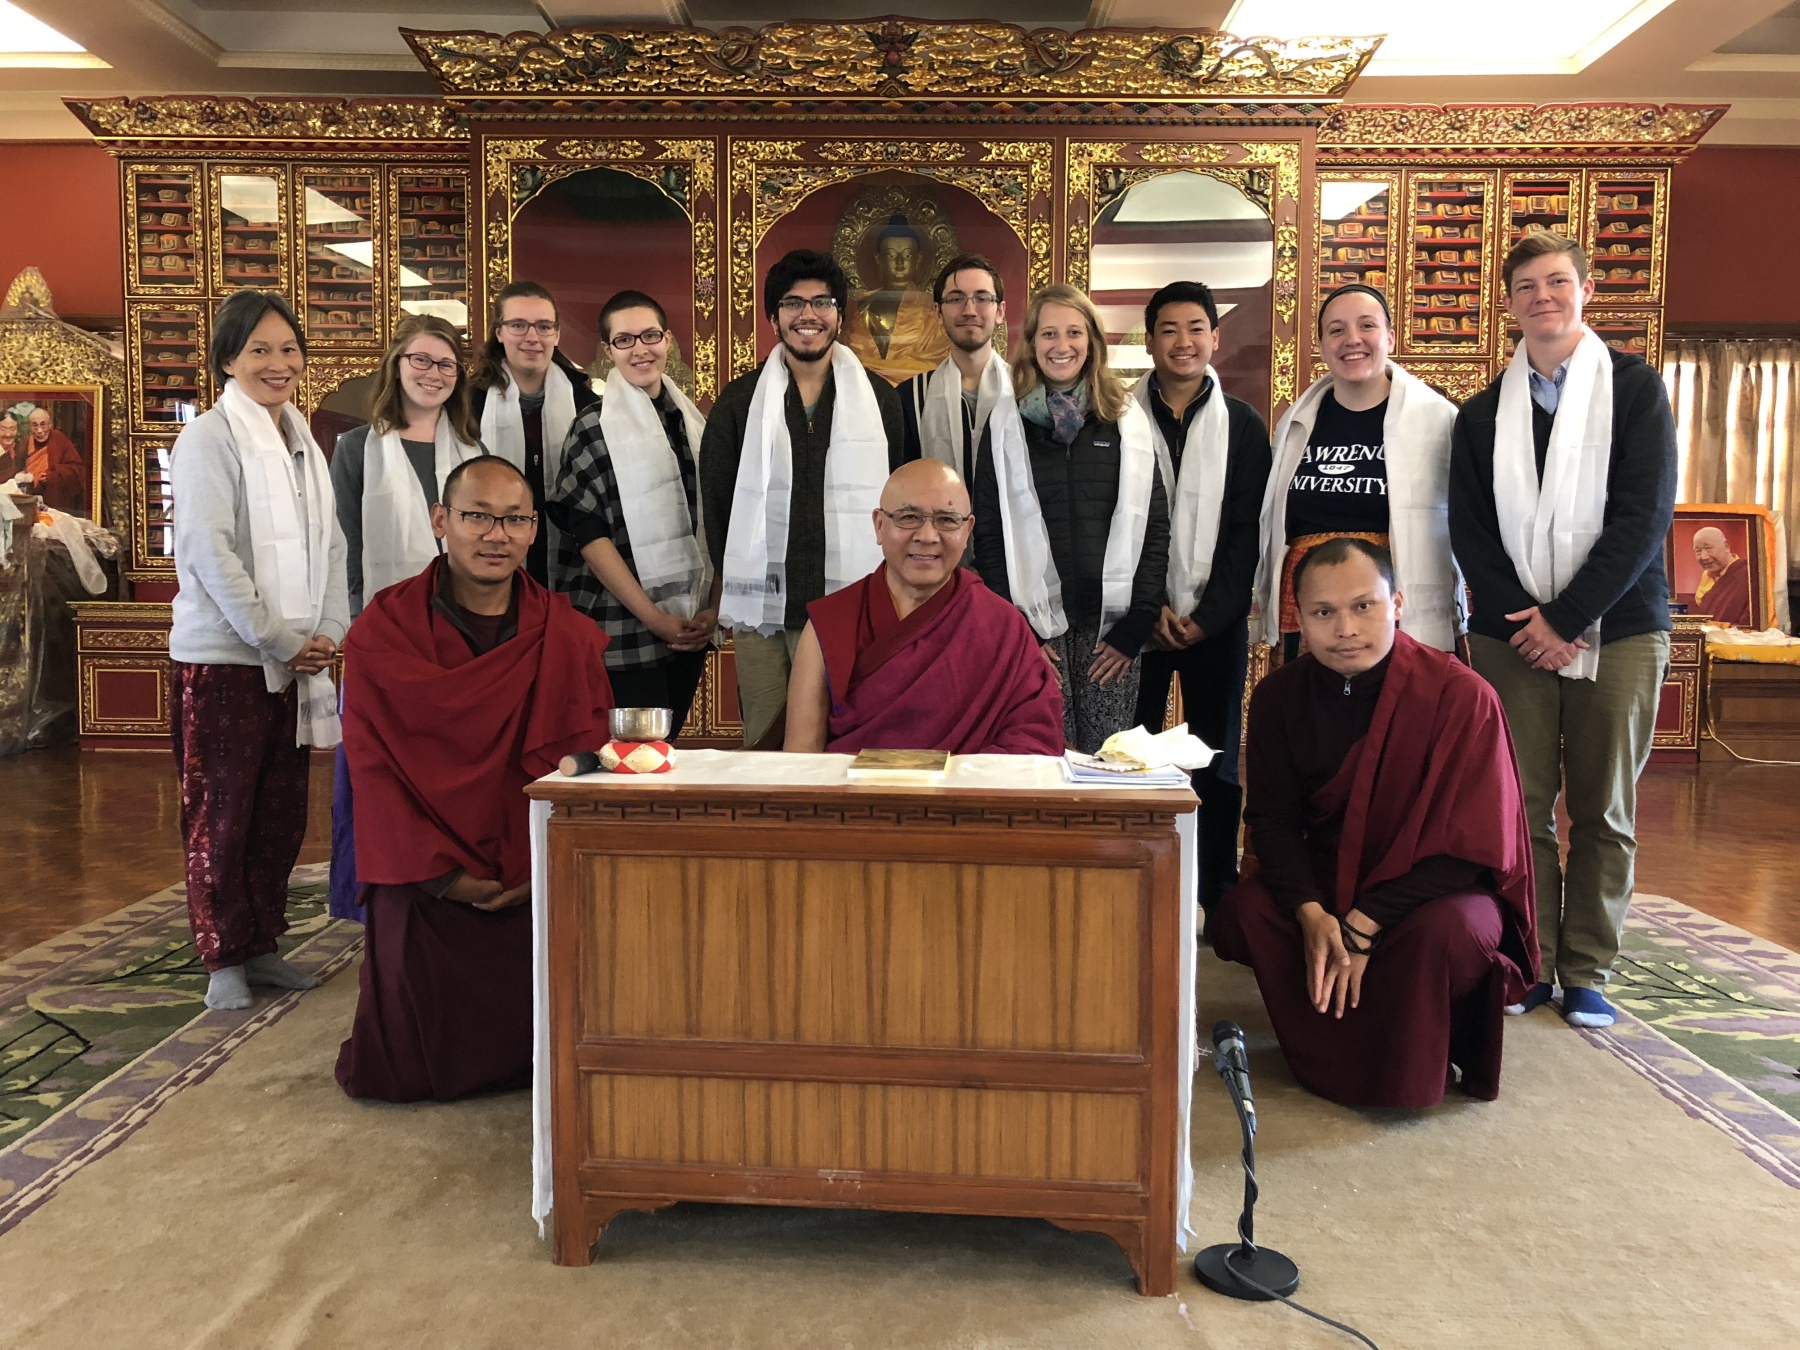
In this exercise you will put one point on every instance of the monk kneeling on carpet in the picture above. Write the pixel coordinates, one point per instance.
(463, 684)
(1389, 915)
(919, 655)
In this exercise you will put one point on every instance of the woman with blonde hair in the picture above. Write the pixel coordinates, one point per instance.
(1073, 524)
(388, 474)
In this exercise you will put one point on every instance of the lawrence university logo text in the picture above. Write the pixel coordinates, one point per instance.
(1342, 468)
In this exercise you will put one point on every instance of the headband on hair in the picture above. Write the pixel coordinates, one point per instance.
(1355, 287)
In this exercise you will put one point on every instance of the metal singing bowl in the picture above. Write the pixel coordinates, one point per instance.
(639, 724)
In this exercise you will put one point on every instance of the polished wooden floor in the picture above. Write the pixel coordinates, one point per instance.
(85, 834)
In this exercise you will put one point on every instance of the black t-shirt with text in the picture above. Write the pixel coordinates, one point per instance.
(1340, 484)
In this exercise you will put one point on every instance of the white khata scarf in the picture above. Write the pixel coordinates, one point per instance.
(1030, 570)
(754, 594)
(396, 520)
(1416, 435)
(940, 425)
(666, 549)
(1196, 495)
(290, 564)
(1548, 526)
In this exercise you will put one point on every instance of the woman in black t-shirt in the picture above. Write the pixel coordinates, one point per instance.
(1364, 453)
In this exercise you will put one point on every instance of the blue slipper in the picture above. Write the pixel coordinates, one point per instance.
(1586, 1008)
(1535, 997)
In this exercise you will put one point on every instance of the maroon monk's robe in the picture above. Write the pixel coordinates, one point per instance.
(60, 472)
(1394, 792)
(1728, 598)
(447, 716)
(962, 673)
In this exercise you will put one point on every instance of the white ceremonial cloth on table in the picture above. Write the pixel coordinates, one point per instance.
(1039, 774)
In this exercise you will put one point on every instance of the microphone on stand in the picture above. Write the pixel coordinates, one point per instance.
(1242, 1269)
(1233, 1063)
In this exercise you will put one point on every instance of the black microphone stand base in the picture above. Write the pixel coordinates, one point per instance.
(1218, 1268)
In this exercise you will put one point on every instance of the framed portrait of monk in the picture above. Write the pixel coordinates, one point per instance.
(1721, 564)
(50, 444)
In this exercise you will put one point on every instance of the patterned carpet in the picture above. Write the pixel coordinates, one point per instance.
(102, 1025)
(1714, 1023)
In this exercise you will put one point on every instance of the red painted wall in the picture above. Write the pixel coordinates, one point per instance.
(1734, 235)
(62, 217)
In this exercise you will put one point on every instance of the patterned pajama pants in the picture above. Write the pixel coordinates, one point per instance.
(243, 806)
(1092, 712)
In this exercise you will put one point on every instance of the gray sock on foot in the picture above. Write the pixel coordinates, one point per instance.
(229, 991)
(271, 970)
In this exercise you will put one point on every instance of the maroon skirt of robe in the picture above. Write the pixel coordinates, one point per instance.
(445, 1003)
(1433, 995)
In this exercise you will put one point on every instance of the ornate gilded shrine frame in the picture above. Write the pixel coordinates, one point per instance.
(685, 169)
(1269, 172)
(770, 178)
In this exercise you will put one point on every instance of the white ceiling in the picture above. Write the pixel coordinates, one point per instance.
(1742, 52)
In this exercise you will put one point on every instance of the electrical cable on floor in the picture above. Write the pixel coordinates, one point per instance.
(1300, 1307)
(1713, 732)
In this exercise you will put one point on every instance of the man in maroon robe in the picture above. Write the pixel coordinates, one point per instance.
(919, 654)
(1390, 917)
(1724, 592)
(461, 686)
(58, 472)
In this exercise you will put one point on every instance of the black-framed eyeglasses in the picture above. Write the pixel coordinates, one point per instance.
(482, 522)
(795, 304)
(981, 300)
(422, 363)
(518, 328)
(624, 342)
(944, 522)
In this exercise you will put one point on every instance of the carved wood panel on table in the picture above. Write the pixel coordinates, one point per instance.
(941, 1001)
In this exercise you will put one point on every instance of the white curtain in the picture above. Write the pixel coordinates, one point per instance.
(1737, 417)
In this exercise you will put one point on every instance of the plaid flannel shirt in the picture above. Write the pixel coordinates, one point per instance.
(585, 506)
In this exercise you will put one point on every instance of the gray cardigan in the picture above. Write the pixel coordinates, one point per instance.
(220, 619)
(347, 460)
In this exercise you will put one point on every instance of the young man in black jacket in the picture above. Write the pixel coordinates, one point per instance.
(1205, 644)
(1562, 491)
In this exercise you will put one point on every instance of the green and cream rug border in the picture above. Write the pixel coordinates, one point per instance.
(106, 1109)
(1713, 1020)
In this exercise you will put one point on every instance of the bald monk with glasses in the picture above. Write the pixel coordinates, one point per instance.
(919, 654)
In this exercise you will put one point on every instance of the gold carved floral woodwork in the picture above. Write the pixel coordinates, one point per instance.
(324, 373)
(1266, 172)
(1489, 129)
(37, 348)
(517, 169)
(768, 179)
(182, 117)
(891, 58)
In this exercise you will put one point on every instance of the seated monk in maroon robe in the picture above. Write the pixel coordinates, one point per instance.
(461, 686)
(919, 655)
(1724, 590)
(1389, 917)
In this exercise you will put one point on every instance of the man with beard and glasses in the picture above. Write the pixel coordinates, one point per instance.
(946, 410)
(791, 466)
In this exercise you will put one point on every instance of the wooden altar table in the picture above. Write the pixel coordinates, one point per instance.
(759, 983)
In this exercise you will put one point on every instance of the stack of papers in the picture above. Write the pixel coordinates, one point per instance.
(1091, 771)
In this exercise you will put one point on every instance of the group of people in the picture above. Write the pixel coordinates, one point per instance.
(1467, 610)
